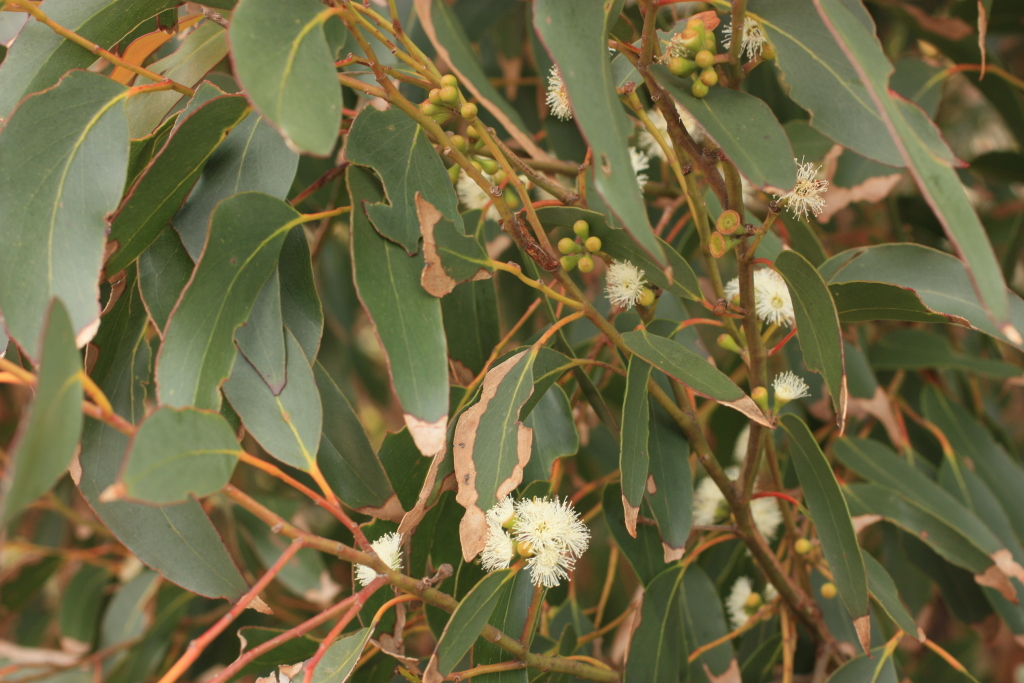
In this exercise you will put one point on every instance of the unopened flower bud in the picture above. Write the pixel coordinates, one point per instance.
(753, 602)
(704, 59)
(760, 396)
(489, 166)
(586, 264)
(698, 89)
(569, 262)
(454, 172)
(449, 95)
(767, 51)
(449, 81)
(567, 246)
(802, 546)
(582, 229)
(435, 96)
(646, 297)
(593, 244)
(682, 67)
(829, 590)
(709, 77)
(458, 142)
(729, 222)
(469, 111)
(728, 343)
(430, 109)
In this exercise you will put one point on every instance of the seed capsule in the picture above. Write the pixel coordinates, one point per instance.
(582, 229)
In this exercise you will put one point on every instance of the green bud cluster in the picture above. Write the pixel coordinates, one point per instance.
(691, 54)
(577, 254)
(442, 102)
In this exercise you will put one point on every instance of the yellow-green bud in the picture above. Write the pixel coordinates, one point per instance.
(449, 81)
(567, 246)
(802, 546)
(511, 198)
(709, 77)
(767, 51)
(569, 262)
(435, 96)
(458, 142)
(499, 176)
(728, 223)
(582, 229)
(453, 173)
(698, 89)
(593, 243)
(450, 95)
(682, 67)
(489, 165)
(430, 109)
(753, 602)
(728, 343)
(710, 43)
(829, 590)
(704, 59)
(646, 297)
(760, 396)
(469, 111)
(586, 264)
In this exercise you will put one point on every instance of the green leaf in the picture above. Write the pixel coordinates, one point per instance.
(669, 488)
(619, 245)
(261, 339)
(471, 324)
(245, 239)
(47, 437)
(202, 49)
(576, 36)
(39, 57)
(83, 603)
(743, 126)
(177, 453)
(143, 149)
(703, 621)
(818, 324)
(126, 617)
(971, 440)
(634, 456)
(874, 499)
(913, 349)
(939, 288)
(491, 446)
(509, 616)
(282, 60)
(301, 309)
(341, 657)
(938, 183)
(821, 79)
(449, 257)
(397, 148)
(466, 622)
(683, 365)
(832, 520)
(288, 424)
(177, 540)
(407, 320)
(407, 469)
(644, 552)
(654, 652)
(160, 190)
(164, 270)
(346, 458)
(883, 590)
(877, 667)
(54, 202)
(554, 433)
(253, 158)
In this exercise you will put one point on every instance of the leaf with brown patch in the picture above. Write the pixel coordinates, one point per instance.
(491, 447)
(449, 257)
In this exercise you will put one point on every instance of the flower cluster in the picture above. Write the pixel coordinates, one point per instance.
(558, 98)
(474, 197)
(772, 300)
(389, 549)
(641, 162)
(649, 144)
(753, 38)
(709, 507)
(805, 197)
(743, 602)
(548, 532)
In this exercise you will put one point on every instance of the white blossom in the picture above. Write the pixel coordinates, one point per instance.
(502, 512)
(649, 143)
(389, 549)
(789, 386)
(554, 536)
(753, 38)
(474, 197)
(772, 300)
(739, 449)
(709, 504)
(558, 98)
(736, 603)
(624, 284)
(641, 162)
(770, 593)
(805, 197)
(500, 549)
(767, 516)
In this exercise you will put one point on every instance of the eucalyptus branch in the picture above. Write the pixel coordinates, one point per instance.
(739, 13)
